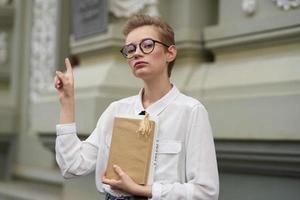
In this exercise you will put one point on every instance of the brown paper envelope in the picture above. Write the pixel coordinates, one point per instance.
(130, 150)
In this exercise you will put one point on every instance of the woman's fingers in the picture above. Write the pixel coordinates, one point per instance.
(118, 170)
(111, 182)
(68, 75)
(57, 82)
(64, 82)
(68, 65)
(61, 76)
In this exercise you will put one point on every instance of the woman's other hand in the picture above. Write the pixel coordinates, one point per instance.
(126, 184)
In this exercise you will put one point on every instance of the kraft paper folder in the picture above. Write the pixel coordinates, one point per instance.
(132, 151)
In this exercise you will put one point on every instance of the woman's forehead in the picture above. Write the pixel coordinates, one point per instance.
(140, 33)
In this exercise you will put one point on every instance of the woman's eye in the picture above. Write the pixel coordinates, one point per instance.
(130, 49)
(148, 44)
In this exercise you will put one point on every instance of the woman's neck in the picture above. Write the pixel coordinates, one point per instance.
(154, 90)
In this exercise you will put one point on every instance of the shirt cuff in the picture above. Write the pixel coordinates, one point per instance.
(63, 129)
(156, 191)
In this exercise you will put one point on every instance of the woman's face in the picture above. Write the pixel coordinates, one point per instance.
(148, 66)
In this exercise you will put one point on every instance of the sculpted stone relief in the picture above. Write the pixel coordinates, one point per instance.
(287, 4)
(126, 8)
(43, 46)
(249, 7)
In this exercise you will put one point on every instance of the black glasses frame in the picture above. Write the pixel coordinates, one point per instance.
(140, 46)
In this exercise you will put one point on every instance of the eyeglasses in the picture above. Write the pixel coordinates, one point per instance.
(146, 46)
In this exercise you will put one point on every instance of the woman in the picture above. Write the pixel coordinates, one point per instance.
(186, 165)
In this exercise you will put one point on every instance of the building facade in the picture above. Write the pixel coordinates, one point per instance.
(240, 58)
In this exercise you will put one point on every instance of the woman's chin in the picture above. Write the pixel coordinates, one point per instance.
(142, 75)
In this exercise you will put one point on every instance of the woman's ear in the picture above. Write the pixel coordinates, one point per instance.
(171, 53)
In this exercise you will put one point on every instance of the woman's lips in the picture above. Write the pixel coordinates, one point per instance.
(139, 64)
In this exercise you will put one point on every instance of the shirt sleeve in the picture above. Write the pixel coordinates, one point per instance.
(202, 180)
(76, 157)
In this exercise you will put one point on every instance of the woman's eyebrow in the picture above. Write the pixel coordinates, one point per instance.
(126, 44)
(133, 42)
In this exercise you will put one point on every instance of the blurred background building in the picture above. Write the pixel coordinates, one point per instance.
(240, 58)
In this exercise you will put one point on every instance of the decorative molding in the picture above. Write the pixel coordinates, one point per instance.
(114, 39)
(255, 31)
(43, 46)
(48, 140)
(108, 41)
(98, 42)
(126, 8)
(277, 158)
(244, 40)
(287, 4)
(39, 174)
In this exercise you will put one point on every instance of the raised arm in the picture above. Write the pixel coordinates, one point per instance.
(64, 84)
(73, 156)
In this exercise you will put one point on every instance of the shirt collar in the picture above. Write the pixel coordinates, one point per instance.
(157, 107)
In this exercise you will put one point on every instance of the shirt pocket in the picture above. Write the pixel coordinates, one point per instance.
(167, 163)
(169, 147)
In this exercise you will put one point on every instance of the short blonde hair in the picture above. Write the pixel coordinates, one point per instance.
(165, 31)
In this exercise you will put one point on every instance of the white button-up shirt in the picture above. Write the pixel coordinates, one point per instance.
(186, 166)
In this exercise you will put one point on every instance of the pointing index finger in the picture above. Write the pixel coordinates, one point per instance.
(68, 65)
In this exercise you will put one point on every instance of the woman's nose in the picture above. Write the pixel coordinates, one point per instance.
(138, 51)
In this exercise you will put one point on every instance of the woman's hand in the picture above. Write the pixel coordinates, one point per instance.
(126, 184)
(64, 84)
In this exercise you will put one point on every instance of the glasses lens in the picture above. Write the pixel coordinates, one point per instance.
(129, 50)
(147, 45)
